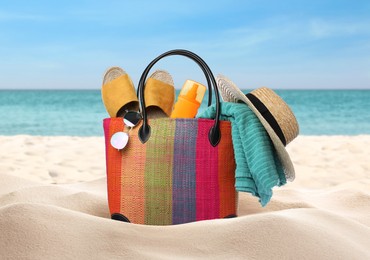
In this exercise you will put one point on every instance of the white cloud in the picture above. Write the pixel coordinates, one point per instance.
(324, 28)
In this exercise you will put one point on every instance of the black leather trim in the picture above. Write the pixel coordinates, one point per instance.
(231, 216)
(214, 135)
(120, 217)
(144, 132)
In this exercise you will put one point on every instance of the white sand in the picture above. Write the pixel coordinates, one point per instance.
(323, 214)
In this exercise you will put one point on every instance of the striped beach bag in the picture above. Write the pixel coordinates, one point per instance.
(172, 171)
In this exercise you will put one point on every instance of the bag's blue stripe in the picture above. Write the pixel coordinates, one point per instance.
(184, 172)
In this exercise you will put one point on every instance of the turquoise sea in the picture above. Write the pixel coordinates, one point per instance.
(80, 112)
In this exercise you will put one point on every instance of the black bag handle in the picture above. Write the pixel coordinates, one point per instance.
(214, 134)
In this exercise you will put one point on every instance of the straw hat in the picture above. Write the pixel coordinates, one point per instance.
(274, 114)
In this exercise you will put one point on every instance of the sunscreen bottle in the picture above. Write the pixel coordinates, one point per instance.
(189, 100)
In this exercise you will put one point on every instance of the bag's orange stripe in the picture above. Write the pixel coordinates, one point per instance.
(133, 181)
(226, 172)
(113, 166)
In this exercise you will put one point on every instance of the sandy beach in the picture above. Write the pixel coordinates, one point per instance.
(53, 205)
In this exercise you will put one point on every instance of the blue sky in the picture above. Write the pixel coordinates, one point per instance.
(279, 44)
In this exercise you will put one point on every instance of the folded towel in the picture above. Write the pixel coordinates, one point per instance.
(258, 168)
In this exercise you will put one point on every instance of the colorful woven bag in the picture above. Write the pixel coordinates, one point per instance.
(172, 171)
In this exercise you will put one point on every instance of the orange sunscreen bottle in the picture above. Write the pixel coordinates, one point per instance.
(189, 100)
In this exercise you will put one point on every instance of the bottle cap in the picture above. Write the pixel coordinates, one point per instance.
(188, 86)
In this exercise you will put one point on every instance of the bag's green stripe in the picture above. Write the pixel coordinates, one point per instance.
(158, 173)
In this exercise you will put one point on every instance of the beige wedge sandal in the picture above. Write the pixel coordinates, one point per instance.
(118, 92)
(159, 94)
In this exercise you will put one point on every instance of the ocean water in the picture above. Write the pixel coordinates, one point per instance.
(80, 112)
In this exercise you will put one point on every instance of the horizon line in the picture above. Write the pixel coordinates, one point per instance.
(95, 89)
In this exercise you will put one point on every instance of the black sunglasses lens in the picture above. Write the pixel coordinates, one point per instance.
(132, 118)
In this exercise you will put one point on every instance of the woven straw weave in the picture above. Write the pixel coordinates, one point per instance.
(176, 177)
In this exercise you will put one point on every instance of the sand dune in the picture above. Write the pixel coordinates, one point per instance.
(323, 214)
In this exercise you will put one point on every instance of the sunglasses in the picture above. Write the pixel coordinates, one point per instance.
(131, 119)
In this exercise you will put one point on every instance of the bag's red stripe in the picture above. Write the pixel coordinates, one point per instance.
(207, 190)
(112, 126)
(106, 123)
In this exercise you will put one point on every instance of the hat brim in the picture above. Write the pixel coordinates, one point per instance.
(231, 93)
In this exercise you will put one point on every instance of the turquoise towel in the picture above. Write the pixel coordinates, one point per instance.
(258, 168)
